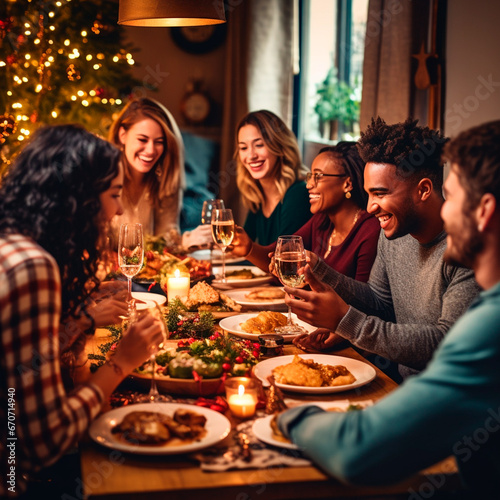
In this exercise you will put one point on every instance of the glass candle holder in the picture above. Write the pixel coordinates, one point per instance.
(178, 285)
(242, 396)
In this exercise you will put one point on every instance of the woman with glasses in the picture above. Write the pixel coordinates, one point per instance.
(270, 177)
(340, 230)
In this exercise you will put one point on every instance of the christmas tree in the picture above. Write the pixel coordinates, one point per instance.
(60, 61)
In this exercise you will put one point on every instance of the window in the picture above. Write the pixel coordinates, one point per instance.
(329, 85)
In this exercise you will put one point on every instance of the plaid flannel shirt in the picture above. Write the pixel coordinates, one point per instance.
(39, 422)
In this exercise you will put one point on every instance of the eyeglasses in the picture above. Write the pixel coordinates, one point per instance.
(317, 176)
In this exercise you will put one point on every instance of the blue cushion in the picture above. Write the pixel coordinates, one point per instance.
(199, 156)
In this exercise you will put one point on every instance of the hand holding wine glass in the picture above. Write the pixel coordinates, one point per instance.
(289, 257)
(223, 233)
(130, 253)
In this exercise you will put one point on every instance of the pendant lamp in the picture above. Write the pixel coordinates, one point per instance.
(171, 12)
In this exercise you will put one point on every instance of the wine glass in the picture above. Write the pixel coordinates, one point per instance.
(153, 396)
(223, 232)
(208, 207)
(206, 216)
(130, 254)
(289, 257)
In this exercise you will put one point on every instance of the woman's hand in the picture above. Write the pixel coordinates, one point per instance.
(318, 340)
(139, 342)
(200, 236)
(108, 311)
(109, 303)
(242, 244)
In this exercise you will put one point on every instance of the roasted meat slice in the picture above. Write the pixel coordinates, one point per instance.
(143, 427)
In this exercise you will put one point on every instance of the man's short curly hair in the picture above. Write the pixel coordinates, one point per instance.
(415, 151)
(476, 153)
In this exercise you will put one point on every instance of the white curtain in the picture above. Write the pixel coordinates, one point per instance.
(270, 59)
(258, 75)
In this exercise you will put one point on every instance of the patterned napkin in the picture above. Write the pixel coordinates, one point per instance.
(262, 455)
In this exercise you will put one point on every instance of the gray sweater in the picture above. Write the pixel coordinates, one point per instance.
(409, 303)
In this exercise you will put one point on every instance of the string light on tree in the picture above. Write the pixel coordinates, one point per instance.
(54, 56)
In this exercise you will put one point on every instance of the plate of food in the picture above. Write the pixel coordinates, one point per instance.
(241, 277)
(145, 300)
(204, 254)
(203, 297)
(315, 373)
(269, 297)
(251, 325)
(266, 429)
(159, 428)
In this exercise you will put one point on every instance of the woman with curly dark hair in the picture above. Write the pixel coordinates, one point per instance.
(55, 203)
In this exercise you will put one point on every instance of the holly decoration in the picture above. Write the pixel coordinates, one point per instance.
(184, 325)
(96, 360)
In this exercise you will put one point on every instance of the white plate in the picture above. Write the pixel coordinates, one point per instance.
(149, 298)
(262, 430)
(204, 254)
(261, 278)
(232, 325)
(363, 372)
(239, 296)
(217, 426)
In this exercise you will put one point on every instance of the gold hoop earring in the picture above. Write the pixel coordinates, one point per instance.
(348, 194)
(158, 171)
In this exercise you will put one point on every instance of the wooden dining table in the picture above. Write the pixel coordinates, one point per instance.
(111, 474)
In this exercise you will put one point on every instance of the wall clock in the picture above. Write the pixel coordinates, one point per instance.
(199, 39)
(195, 107)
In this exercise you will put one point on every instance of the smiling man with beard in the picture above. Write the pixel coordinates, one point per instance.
(453, 406)
(412, 297)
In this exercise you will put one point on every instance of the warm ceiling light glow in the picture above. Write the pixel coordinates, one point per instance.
(171, 12)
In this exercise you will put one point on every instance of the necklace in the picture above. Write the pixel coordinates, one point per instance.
(334, 233)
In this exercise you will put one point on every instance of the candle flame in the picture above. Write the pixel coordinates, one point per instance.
(241, 390)
(177, 273)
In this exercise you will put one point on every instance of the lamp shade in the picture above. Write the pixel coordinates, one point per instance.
(171, 12)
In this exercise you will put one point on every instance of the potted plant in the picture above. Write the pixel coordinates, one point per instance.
(336, 102)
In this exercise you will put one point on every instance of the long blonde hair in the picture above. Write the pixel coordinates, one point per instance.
(164, 179)
(281, 142)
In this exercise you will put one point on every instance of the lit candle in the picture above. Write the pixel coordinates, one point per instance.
(243, 404)
(177, 286)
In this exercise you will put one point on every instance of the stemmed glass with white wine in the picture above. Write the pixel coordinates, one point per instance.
(289, 257)
(223, 233)
(130, 254)
(206, 216)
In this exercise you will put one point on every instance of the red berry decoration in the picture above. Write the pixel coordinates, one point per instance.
(226, 367)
